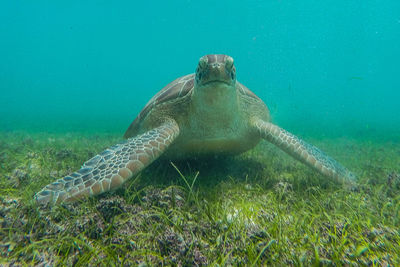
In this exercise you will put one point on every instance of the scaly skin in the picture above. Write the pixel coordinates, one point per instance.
(111, 168)
(302, 151)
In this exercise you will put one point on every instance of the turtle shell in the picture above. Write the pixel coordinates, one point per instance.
(175, 89)
(178, 88)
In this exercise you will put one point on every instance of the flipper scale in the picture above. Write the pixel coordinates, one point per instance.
(112, 167)
(302, 151)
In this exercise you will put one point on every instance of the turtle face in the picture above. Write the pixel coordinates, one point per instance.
(215, 69)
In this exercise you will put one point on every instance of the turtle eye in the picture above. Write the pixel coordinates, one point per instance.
(233, 74)
(203, 62)
(228, 63)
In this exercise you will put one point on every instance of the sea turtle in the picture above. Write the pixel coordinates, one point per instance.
(205, 113)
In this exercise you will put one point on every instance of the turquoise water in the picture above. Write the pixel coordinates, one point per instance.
(324, 67)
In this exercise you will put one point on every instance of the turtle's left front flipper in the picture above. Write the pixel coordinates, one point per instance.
(302, 151)
(112, 167)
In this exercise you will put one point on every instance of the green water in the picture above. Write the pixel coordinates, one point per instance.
(328, 65)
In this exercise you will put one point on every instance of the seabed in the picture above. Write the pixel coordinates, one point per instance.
(259, 208)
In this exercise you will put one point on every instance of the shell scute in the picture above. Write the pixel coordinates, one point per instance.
(246, 91)
(174, 90)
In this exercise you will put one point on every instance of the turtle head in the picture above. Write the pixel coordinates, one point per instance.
(215, 87)
(215, 69)
(214, 98)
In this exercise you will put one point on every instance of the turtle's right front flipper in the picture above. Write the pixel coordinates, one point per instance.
(112, 167)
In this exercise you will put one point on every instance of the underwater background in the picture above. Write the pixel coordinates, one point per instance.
(75, 74)
(322, 67)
